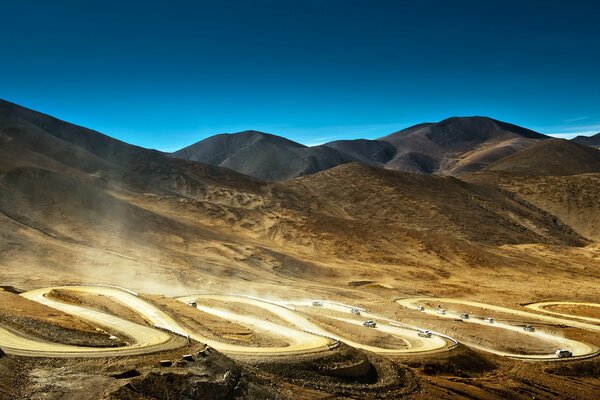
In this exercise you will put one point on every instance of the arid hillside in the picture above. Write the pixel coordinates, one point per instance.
(457, 145)
(574, 199)
(551, 158)
(79, 207)
(262, 155)
(73, 199)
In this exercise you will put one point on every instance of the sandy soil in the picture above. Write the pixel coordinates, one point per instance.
(360, 334)
(97, 301)
(579, 310)
(213, 326)
(244, 309)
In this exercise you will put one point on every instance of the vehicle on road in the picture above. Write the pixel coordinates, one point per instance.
(528, 328)
(355, 311)
(424, 333)
(369, 323)
(317, 303)
(562, 353)
(420, 308)
(192, 303)
(489, 320)
(441, 311)
(464, 316)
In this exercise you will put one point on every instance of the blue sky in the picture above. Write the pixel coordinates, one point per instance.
(166, 74)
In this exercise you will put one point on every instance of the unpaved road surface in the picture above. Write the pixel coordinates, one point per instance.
(293, 326)
(578, 349)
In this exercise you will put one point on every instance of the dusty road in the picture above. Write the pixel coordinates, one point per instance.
(145, 339)
(292, 325)
(542, 307)
(578, 349)
(409, 335)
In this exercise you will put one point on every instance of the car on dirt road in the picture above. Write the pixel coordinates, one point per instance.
(369, 323)
(424, 333)
(562, 353)
(489, 320)
(355, 311)
(420, 308)
(317, 303)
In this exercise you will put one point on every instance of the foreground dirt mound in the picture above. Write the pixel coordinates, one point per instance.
(462, 362)
(345, 372)
(208, 375)
(589, 369)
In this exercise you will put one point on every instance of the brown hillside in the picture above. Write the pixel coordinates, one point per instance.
(552, 157)
(575, 199)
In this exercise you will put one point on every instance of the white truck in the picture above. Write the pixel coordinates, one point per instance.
(369, 323)
(424, 333)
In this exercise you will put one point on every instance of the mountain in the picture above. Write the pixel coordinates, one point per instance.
(373, 152)
(400, 204)
(262, 155)
(551, 157)
(32, 139)
(591, 141)
(456, 145)
(451, 147)
(68, 190)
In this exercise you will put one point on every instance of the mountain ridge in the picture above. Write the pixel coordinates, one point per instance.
(452, 146)
(592, 141)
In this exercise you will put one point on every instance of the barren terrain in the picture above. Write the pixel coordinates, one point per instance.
(79, 208)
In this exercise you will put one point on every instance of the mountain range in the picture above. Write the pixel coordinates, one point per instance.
(454, 146)
(67, 191)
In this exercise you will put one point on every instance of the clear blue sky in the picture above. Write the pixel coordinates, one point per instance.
(164, 74)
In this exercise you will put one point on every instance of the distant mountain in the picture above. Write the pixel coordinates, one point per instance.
(456, 145)
(591, 141)
(263, 155)
(552, 157)
(374, 152)
(32, 139)
(450, 147)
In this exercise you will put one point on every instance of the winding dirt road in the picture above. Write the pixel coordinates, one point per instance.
(145, 339)
(578, 349)
(409, 335)
(297, 330)
(542, 307)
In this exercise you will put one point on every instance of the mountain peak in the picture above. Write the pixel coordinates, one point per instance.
(591, 141)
